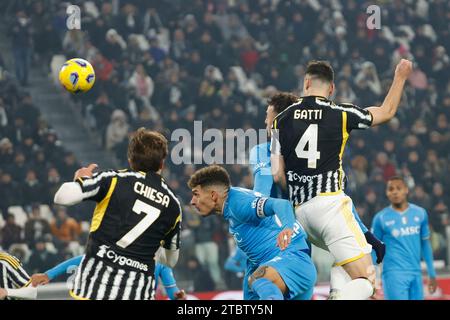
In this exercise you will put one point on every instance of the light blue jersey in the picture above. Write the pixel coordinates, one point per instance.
(255, 222)
(263, 179)
(254, 229)
(168, 280)
(261, 169)
(406, 235)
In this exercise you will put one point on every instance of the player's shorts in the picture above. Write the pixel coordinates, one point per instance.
(402, 285)
(96, 279)
(297, 271)
(329, 222)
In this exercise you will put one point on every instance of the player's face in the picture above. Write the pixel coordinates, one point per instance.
(270, 115)
(397, 192)
(203, 200)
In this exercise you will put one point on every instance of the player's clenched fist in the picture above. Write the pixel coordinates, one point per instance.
(404, 68)
(85, 171)
(39, 279)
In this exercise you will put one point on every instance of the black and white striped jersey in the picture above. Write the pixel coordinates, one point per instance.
(100, 279)
(12, 274)
(136, 213)
(311, 135)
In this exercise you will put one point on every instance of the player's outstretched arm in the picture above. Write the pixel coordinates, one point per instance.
(71, 193)
(29, 293)
(62, 268)
(390, 104)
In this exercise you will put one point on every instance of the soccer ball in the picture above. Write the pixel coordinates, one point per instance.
(77, 75)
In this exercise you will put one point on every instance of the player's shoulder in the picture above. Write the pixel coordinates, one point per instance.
(283, 114)
(416, 208)
(120, 173)
(10, 259)
(383, 213)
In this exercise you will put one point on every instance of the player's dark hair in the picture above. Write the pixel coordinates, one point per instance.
(147, 150)
(397, 178)
(208, 176)
(281, 101)
(321, 70)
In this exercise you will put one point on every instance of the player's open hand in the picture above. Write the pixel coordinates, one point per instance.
(284, 238)
(180, 295)
(432, 285)
(85, 171)
(39, 279)
(3, 294)
(404, 68)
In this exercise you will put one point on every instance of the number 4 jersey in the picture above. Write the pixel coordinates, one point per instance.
(311, 135)
(136, 213)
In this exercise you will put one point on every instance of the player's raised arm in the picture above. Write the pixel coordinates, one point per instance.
(390, 104)
(87, 185)
(277, 160)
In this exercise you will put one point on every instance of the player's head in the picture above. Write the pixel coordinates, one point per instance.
(276, 104)
(147, 150)
(319, 79)
(397, 191)
(209, 185)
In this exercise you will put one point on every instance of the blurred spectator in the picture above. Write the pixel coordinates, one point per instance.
(64, 228)
(11, 232)
(41, 259)
(21, 44)
(36, 227)
(32, 188)
(117, 129)
(10, 193)
(200, 276)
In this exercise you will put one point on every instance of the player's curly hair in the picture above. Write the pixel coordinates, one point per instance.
(281, 101)
(320, 69)
(208, 176)
(147, 150)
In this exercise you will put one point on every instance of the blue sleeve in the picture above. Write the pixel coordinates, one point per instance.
(236, 262)
(424, 227)
(358, 219)
(262, 175)
(427, 251)
(168, 281)
(377, 228)
(263, 183)
(62, 267)
(279, 207)
(427, 254)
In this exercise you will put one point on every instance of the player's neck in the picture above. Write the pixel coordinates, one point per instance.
(400, 207)
(221, 204)
(315, 92)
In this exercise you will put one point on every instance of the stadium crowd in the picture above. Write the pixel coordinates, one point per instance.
(163, 64)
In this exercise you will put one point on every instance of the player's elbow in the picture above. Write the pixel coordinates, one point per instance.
(68, 194)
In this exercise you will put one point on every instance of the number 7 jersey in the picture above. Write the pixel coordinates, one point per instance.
(136, 212)
(311, 135)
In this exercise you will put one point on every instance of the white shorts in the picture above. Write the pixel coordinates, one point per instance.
(329, 222)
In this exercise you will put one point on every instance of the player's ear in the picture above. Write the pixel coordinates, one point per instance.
(331, 89)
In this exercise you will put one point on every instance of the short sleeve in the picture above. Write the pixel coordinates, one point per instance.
(357, 118)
